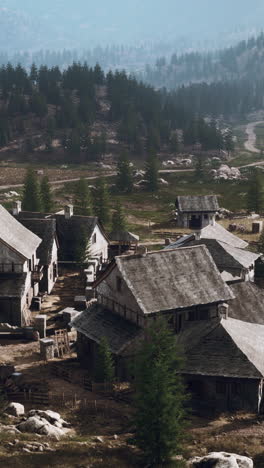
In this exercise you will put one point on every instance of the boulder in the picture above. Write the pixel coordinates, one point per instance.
(221, 460)
(33, 424)
(15, 409)
(50, 416)
(52, 431)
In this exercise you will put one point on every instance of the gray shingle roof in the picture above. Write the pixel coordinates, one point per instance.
(226, 255)
(17, 236)
(98, 322)
(46, 230)
(229, 348)
(248, 304)
(218, 232)
(199, 203)
(173, 279)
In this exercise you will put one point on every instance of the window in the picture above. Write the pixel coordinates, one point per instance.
(118, 284)
(206, 216)
(94, 238)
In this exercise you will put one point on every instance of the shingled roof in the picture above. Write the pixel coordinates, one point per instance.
(198, 203)
(46, 230)
(15, 235)
(229, 348)
(218, 232)
(226, 255)
(248, 304)
(98, 322)
(173, 279)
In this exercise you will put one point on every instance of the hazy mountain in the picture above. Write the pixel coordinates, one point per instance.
(62, 23)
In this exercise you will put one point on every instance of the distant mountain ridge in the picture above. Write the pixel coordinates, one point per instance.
(58, 24)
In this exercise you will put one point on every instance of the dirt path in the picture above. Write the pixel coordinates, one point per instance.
(110, 174)
(250, 144)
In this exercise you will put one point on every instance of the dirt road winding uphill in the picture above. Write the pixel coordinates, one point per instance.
(250, 143)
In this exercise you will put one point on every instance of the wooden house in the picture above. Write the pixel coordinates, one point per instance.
(234, 264)
(20, 271)
(47, 251)
(196, 212)
(183, 285)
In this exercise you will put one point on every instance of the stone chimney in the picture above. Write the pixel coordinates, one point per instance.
(223, 311)
(16, 208)
(68, 211)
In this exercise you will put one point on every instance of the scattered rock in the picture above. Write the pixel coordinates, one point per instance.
(99, 439)
(163, 181)
(221, 460)
(226, 173)
(43, 425)
(115, 437)
(15, 409)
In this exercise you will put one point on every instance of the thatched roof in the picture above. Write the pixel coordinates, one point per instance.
(13, 234)
(46, 230)
(248, 304)
(200, 203)
(98, 322)
(173, 279)
(229, 348)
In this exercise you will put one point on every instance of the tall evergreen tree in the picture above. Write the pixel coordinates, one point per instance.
(82, 199)
(46, 195)
(124, 180)
(160, 395)
(104, 368)
(152, 173)
(118, 219)
(101, 201)
(255, 198)
(81, 250)
(31, 193)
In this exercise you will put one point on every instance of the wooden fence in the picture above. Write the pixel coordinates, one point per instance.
(63, 400)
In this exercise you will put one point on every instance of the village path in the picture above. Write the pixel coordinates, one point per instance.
(250, 143)
(110, 174)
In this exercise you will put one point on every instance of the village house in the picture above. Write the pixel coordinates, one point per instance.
(219, 327)
(234, 264)
(20, 271)
(73, 234)
(184, 285)
(47, 251)
(196, 212)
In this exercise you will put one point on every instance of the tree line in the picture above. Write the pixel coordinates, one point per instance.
(64, 105)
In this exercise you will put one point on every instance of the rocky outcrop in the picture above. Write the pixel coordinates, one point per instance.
(226, 173)
(15, 409)
(221, 460)
(48, 423)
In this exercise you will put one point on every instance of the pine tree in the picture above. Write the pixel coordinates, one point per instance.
(124, 181)
(160, 395)
(81, 249)
(82, 200)
(255, 193)
(199, 168)
(104, 369)
(46, 195)
(152, 173)
(118, 219)
(31, 194)
(101, 201)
